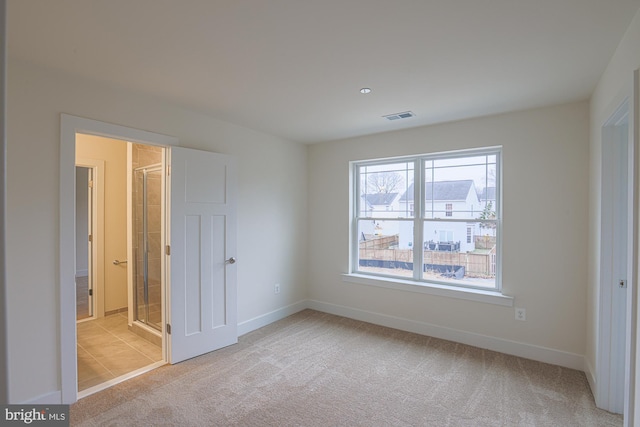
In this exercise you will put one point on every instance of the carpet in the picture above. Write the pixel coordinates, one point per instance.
(316, 369)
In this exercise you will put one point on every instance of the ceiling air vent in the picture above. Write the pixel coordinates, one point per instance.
(398, 116)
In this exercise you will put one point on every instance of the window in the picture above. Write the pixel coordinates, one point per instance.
(433, 202)
(449, 209)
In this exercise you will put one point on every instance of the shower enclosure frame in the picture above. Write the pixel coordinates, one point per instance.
(135, 325)
(145, 171)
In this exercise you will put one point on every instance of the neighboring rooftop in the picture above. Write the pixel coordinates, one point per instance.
(443, 190)
(380, 198)
(488, 193)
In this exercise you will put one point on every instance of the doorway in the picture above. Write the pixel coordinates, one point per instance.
(110, 346)
(199, 256)
(614, 262)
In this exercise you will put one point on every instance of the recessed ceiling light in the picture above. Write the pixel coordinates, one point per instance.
(365, 90)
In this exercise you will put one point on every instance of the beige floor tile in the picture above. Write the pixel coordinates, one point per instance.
(150, 350)
(88, 327)
(107, 349)
(90, 368)
(96, 338)
(125, 361)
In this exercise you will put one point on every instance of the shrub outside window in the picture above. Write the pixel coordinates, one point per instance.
(433, 218)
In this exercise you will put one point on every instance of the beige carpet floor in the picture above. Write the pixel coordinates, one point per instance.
(315, 369)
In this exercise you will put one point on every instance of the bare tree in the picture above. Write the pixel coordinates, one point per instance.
(383, 182)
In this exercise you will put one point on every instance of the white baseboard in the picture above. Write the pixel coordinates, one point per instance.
(53, 398)
(527, 351)
(268, 318)
(591, 376)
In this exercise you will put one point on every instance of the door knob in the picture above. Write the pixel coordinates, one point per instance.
(231, 260)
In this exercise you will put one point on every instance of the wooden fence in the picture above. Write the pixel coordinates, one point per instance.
(476, 265)
(379, 242)
(484, 242)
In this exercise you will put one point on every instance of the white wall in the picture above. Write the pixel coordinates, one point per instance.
(546, 159)
(613, 87)
(272, 207)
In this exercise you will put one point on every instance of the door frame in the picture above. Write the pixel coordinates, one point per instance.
(97, 253)
(629, 97)
(69, 127)
(613, 387)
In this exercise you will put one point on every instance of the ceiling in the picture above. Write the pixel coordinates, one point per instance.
(294, 68)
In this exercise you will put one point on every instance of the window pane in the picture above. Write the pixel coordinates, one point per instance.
(460, 188)
(386, 247)
(460, 253)
(386, 191)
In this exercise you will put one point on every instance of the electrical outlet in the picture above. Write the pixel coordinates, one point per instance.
(521, 314)
(276, 288)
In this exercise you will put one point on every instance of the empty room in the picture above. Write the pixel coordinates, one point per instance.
(300, 212)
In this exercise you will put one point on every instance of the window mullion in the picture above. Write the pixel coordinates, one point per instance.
(418, 214)
(355, 247)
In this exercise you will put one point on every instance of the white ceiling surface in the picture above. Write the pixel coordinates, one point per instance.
(293, 68)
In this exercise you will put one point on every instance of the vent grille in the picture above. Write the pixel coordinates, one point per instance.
(398, 116)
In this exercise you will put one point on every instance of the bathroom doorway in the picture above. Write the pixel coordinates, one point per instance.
(123, 335)
(199, 247)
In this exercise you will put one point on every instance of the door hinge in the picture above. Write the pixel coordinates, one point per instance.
(169, 170)
(91, 184)
(91, 237)
(169, 329)
(168, 250)
(622, 283)
(90, 292)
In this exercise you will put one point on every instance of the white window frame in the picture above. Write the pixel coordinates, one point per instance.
(417, 283)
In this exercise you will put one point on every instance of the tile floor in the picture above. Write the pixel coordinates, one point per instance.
(107, 350)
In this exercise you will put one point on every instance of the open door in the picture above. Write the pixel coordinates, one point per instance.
(202, 292)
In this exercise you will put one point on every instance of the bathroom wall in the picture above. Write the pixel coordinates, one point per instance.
(114, 229)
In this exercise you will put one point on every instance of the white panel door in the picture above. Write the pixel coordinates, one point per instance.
(202, 296)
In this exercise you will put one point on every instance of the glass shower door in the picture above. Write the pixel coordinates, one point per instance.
(147, 245)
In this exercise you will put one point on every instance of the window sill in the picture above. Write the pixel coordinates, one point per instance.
(479, 295)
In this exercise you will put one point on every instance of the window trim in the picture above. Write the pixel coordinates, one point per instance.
(419, 169)
(488, 296)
